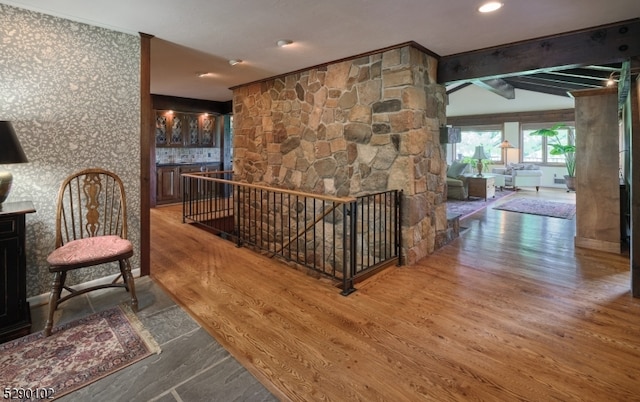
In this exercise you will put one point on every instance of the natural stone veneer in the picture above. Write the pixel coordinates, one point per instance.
(351, 128)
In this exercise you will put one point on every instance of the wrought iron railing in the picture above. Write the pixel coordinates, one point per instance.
(343, 238)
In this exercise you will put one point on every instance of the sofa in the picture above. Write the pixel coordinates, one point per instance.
(456, 182)
(520, 175)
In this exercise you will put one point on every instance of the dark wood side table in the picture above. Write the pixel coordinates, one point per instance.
(482, 187)
(15, 317)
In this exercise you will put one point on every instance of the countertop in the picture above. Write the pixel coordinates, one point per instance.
(187, 164)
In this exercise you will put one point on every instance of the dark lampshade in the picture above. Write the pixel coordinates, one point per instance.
(450, 135)
(10, 152)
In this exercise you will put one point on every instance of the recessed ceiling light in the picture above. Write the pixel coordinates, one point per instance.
(284, 42)
(233, 62)
(490, 6)
(206, 75)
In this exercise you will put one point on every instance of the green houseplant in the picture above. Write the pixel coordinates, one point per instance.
(558, 148)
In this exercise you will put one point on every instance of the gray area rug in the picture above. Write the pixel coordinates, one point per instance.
(539, 207)
(465, 208)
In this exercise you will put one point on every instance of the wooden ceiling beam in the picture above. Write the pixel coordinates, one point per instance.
(560, 79)
(590, 74)
(570, 85)
(545, 89)
(536, 116)
(599, 45)
(497, 86)
(458, 87)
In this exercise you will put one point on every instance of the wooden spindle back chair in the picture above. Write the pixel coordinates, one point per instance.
(91, 229)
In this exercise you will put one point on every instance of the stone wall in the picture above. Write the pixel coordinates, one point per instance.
(351, 128)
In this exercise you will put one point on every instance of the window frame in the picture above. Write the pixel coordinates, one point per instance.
(482, 128)
(532, 126)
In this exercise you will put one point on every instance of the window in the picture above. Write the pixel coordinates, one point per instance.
(536, 149)
(487, 136)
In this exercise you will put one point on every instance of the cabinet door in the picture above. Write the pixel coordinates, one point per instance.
(176, 138)
(170, 128)
(208, 130)
(168, 185)
(192, 127)
(163, 127)
(10, 294)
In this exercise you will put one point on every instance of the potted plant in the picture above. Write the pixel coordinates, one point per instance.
(558, 148)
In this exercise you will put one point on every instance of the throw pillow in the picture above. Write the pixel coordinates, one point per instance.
(456, 169)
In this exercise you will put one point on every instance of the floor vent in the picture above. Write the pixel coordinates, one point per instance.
(557, 180)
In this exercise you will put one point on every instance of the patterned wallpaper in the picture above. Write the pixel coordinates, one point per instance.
(71, 91)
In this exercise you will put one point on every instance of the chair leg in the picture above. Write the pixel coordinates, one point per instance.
(63, 278)
(56, 290)
(127, 276)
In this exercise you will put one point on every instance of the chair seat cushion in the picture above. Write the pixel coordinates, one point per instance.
(455, 182)
(90, 251)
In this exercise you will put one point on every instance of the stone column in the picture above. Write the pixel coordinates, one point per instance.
(350, 128)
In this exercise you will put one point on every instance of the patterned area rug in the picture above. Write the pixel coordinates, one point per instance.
(539, 207)
(75, 355)
(464, 208)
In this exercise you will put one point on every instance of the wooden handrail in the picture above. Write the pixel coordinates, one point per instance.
(205, 176)
(262, 226)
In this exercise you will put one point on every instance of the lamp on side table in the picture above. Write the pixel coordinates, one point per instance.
(15, 317)
(10, 152)
(479, 154)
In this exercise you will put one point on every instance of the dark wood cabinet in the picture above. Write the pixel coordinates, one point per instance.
(209, 129)
(169, 182)
(15, 317)
(199, 189)
(180, 129)
(169, 128)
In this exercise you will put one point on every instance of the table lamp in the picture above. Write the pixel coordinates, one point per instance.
(504, 145)
(10, 152)
(479, 155)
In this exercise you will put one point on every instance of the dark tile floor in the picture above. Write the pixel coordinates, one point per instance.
(191, 367)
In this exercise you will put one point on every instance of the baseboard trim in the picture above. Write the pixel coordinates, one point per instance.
(43, 298)
(602, 245)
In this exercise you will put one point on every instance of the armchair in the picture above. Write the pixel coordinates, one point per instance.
(520, 175)
(457, 186)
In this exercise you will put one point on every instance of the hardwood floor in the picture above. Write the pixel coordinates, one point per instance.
(509, 311)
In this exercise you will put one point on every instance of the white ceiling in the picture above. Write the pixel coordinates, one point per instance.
(472, 100)
(195, 36)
